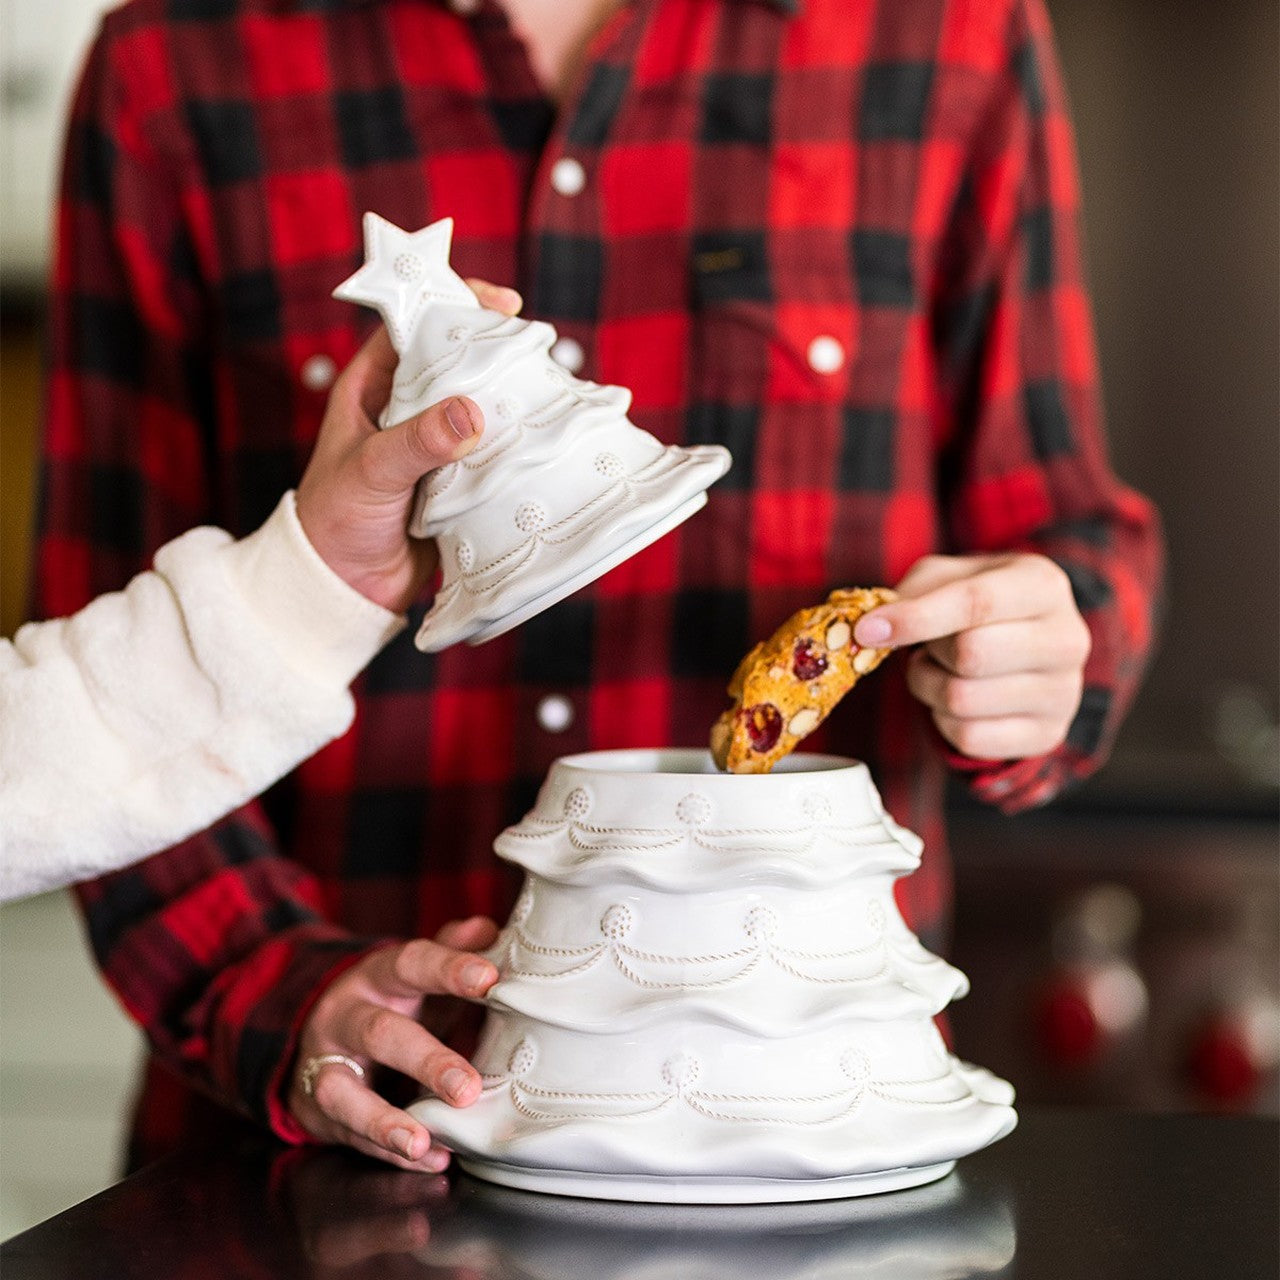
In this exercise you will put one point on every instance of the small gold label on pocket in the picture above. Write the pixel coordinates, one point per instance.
(713, 260)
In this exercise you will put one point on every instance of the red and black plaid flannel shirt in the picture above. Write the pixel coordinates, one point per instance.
(894, 178)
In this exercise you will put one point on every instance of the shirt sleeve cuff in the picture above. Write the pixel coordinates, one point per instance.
(288, 976)
(328, 627)
(1011, 785)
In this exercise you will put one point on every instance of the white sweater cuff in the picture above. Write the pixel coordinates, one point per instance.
(329, 629)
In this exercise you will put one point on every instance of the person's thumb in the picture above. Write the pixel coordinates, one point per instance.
(399, 456)
(373, 369)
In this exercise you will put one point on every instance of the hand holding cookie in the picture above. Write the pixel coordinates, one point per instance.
(1002, 650)
(787, 685)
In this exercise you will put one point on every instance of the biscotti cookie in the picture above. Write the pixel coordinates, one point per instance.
(787, 685)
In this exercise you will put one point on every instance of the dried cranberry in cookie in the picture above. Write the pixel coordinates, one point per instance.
(808, 662)
(764, 726)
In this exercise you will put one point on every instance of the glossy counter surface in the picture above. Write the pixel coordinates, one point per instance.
(1070, 1194)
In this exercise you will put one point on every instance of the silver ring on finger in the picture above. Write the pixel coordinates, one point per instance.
(312, 1067)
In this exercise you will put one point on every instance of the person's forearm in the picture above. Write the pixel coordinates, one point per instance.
(156, 710)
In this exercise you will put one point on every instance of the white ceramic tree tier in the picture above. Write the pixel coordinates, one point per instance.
(562, 486)
(707, 994)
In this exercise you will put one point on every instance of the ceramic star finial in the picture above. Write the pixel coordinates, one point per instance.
(404, 273)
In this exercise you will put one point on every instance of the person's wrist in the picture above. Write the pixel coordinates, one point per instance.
(328, 629)
(378, 562)
(391, 583)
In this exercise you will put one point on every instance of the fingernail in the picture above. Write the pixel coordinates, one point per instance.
(403, 1141)
(459, 418)
(454, 1081)
(476, 975)
(872, 631)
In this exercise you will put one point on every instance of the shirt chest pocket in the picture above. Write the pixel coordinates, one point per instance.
(771, 326)
(775, 342)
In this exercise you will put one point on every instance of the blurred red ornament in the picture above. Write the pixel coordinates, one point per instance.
(1067, 1029)
(1222, 1064)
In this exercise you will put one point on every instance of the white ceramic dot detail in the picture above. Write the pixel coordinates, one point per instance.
(761, 924)
(568, 177)
(318, 372)
(855, 1064)
(577, 804)
(555, 713)
(408, 266)
(681, 1071)
(816, 807)
(568, 354)
(530, 517)
(617, 922)
(523, 1056)
(694, 809)
(825, 354)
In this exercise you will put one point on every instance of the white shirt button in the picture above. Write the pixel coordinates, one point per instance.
(555, 713)
(568, 354)
(826, 355)
(318, 372)
(568, 177)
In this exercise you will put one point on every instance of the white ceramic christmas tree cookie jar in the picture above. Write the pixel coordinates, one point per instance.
(706, 994)
(562, 486)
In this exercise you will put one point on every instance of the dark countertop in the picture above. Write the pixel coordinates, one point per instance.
(1083, 1195)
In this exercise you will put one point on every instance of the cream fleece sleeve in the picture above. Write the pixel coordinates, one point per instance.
(155, 710)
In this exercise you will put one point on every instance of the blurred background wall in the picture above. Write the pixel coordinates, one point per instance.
(1176, 108)
(1122, 945)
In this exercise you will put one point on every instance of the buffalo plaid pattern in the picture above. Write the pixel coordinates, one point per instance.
(893, 179)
